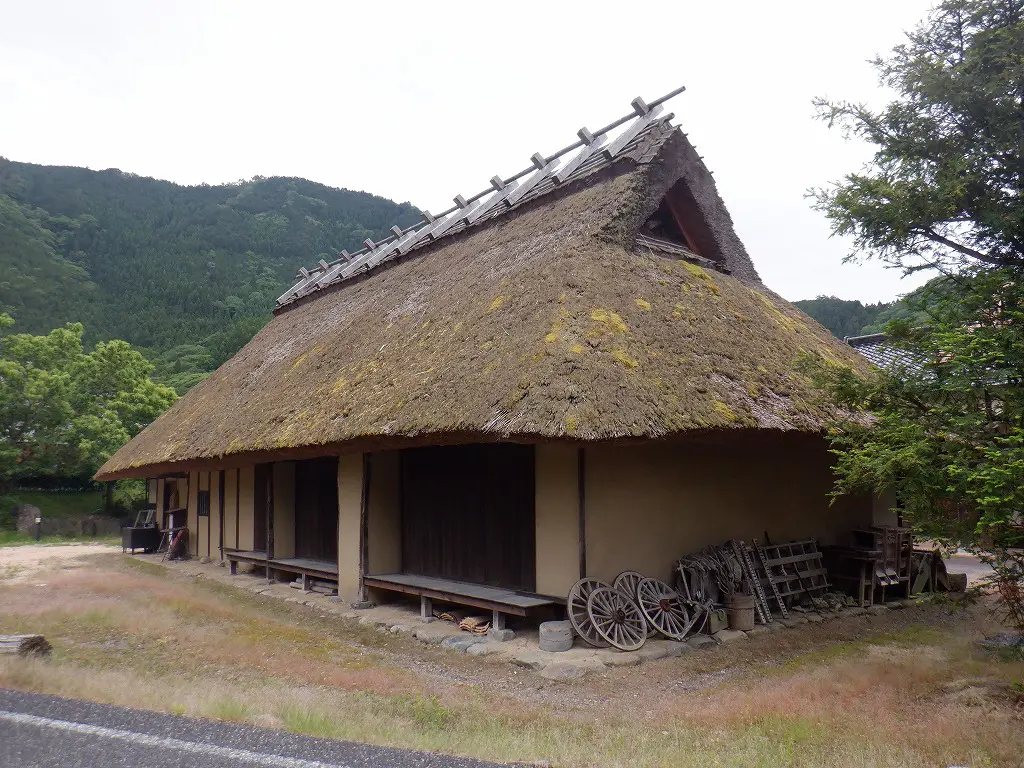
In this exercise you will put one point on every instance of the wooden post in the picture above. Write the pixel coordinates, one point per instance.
(220, 513)
(581, 489)
(497, 620)
(108, 497)
(270, 517)
(426, 607)
(238, 495)
(364, 526)
(209, 531)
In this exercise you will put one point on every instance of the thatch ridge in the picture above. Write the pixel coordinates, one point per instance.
(548, 324)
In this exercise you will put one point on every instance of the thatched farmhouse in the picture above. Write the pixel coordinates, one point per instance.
(577, 371)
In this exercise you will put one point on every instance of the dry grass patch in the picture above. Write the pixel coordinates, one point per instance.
(902, 690)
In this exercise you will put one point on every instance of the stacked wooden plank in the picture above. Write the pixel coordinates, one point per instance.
(24, 645)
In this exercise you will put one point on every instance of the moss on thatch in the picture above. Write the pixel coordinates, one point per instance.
(545, 323)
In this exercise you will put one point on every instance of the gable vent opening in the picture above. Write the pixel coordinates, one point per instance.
(677, 229)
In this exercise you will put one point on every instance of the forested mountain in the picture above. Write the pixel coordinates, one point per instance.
(187, 274)
(842, 316)
(852, 318)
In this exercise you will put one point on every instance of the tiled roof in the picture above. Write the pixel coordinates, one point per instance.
(879, 351)
(640, 133)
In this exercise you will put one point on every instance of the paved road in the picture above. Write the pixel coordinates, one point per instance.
(43, 731)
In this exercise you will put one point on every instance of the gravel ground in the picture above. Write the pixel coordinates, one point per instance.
(30, 561)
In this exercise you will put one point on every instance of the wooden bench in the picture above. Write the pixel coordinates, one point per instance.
(236, 556)
(306, 568)
(499, 601)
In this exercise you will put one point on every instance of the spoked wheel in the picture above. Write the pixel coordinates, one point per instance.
(627, 582)
(576, 606)
(662, 609)
(617, 618)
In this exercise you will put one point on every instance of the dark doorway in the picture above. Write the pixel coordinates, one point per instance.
(262, 478)
(468, 514)
(316, 509)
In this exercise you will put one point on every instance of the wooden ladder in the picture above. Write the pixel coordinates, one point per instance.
(771, 579)
(760, 601)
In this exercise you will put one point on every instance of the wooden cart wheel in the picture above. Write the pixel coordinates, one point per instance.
(626, 582)
(576, 607)
(661, 607)
(617, 618)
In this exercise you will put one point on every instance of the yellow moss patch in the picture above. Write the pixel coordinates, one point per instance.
(787, 322)
(299, 360)
(571, 424)
(696, 271)
(556, 327)
(487, 345)
(496, 302)
(339, 385)
(725, 410)
(610, 319)
(627, 361)
(577, 348)
(644, 304)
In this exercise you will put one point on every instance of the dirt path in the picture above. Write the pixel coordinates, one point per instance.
(34, 561)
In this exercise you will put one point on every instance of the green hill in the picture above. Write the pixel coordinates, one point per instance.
(841, 316)
(188, 274)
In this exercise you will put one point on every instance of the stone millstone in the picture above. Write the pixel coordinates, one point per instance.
(556, 636)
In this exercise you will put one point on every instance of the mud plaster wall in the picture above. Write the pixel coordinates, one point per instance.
(246, 519)
(883, 509)
(159, 483)
(215, 517)
(230, 502)
(384, 523)
(192, 516)
(557, 517)
(648, 505)
(203, 523)
(350, 494)
(284, 509)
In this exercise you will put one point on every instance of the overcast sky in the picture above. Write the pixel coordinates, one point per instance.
(420, 101)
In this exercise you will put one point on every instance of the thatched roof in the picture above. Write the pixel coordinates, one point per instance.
(548, 322)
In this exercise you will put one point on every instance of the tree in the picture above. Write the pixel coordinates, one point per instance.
(944, 187)
(944, 191)
(64, 411)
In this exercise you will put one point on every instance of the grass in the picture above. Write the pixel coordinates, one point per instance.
(61, 504)
(15, 539)
(867, 692)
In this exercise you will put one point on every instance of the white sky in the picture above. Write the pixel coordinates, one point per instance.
(419, 101)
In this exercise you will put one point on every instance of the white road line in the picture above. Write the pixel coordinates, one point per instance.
(208, 750)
